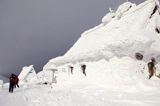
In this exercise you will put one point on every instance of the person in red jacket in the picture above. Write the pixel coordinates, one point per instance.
(13, 82)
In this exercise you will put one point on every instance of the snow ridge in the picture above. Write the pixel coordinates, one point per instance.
(122, 33)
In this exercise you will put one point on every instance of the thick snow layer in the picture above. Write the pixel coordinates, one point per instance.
(133, 32)
(28, 74)
(116, 73)
(115, 82)
(45, 76)
(108, 50)
(80, 94)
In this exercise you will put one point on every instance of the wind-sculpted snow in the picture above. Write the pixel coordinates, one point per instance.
(133, 32)
(80, 94)
(108, 50)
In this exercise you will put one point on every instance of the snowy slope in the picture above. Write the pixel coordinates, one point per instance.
(129, 30)
(79, 94)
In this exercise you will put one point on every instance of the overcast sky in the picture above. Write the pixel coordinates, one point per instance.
(34, 31)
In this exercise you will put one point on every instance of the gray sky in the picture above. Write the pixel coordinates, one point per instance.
(34, 31)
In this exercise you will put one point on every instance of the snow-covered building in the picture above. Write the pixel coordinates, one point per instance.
(115, 74)
(133, 28)
(108, 50)
(27, 74)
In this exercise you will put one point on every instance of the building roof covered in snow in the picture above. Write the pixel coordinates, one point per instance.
(27, 73)
(132, 28)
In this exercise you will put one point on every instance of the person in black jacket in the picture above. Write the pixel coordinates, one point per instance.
(11, 83)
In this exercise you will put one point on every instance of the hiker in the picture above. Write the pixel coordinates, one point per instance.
(13, 81)
(151, 67)
(16, 80)
(83, 67)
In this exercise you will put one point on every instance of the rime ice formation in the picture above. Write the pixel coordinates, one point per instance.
(124, 32)
(108, 50)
